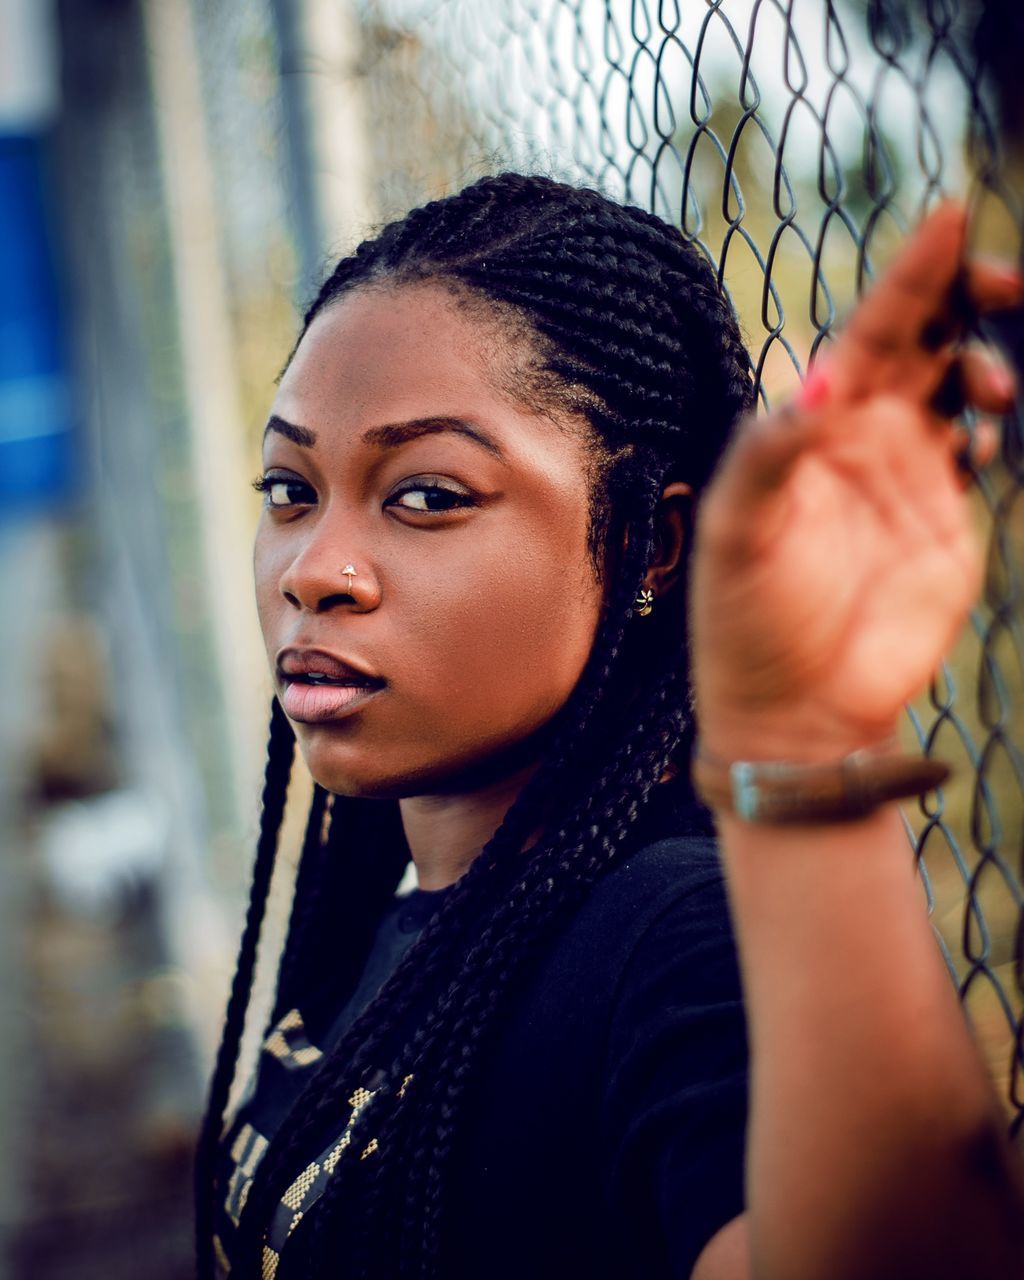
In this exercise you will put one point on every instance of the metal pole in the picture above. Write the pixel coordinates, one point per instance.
(328, 157)
(220, 462)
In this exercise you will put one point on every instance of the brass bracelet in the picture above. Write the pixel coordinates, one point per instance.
(778, 791)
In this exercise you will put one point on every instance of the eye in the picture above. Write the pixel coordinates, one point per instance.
(284, 491)
(430, 497)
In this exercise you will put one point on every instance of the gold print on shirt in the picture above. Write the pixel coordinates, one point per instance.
(289, 1044)
(246, 1151)
(309, 1186)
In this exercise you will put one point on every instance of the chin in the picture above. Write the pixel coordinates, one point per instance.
(347, 770)
(343, 774)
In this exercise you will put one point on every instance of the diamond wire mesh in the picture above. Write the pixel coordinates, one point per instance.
(795, 142)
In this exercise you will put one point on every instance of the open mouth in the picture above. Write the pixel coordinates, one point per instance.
(312, 697)
(318, 685)
(318, 678)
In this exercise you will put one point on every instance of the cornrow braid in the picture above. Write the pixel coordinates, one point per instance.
(339, 893)
(318, 826)
(280, 753)
(628, 328)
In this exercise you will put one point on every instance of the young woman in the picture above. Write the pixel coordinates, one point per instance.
(474, 569)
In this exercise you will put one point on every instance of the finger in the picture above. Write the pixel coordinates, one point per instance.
(913, 294)
(750, 477)
(985, 381)
(984, 443)
(992, 285)
(980, 287)
(974, 448)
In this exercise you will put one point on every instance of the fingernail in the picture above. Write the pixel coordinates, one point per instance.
(984, 444)
(1002, 382)
(1011, 277)
(815, 389)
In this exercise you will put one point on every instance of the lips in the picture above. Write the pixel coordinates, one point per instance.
(319, 686)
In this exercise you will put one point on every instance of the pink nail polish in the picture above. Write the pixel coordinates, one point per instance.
(1002, 382)
(1010, 276)
(814, 392)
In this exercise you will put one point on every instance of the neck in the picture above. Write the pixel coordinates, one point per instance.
(445, 832)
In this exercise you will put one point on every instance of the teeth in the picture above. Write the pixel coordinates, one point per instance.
(321, 677)
(317, 677)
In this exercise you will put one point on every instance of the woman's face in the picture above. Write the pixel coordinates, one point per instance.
(465, 516)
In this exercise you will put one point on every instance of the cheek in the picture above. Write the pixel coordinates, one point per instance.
(502, 645)
(266, 577)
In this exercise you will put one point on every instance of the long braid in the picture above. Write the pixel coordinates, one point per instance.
(580, 853)
(280, 752)
(629, 330)
(304, 897)
(339, 893)
(584, 849)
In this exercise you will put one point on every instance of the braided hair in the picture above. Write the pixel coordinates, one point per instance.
(629, 330)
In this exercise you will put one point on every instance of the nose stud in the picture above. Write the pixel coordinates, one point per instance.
(350, 571)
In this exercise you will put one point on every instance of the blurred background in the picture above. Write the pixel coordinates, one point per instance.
(175, 176)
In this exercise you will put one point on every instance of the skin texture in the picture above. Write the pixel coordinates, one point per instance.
(479, 619)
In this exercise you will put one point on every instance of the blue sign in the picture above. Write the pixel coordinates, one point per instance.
(36, 443)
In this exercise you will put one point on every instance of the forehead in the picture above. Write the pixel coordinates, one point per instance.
(394, 353)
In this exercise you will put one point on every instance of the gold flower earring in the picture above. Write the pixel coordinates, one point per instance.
(644, 602)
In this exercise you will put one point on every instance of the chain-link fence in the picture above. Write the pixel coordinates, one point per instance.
(212, 152)
(795, 141)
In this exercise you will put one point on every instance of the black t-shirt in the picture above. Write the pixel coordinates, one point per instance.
(604, 1134)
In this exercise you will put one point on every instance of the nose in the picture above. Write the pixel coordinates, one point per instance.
(318, 579)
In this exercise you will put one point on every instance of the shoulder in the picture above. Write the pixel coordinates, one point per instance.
(662, 887)
(654, 927)
(674, 1063)
(668, 907)
(670, 854)
(678, 961)
(676, 865)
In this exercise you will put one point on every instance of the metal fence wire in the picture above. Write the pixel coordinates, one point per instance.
(795, 141)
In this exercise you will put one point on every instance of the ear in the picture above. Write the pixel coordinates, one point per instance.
(670, 538)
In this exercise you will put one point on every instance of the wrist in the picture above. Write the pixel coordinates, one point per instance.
(739, 838)
(797, 736)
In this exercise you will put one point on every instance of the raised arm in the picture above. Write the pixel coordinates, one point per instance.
(835, 564)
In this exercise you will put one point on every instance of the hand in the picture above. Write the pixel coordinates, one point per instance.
(835, 559)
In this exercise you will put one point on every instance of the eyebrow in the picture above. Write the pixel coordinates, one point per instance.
(391, 434)
(395, 433)
(298, 435)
